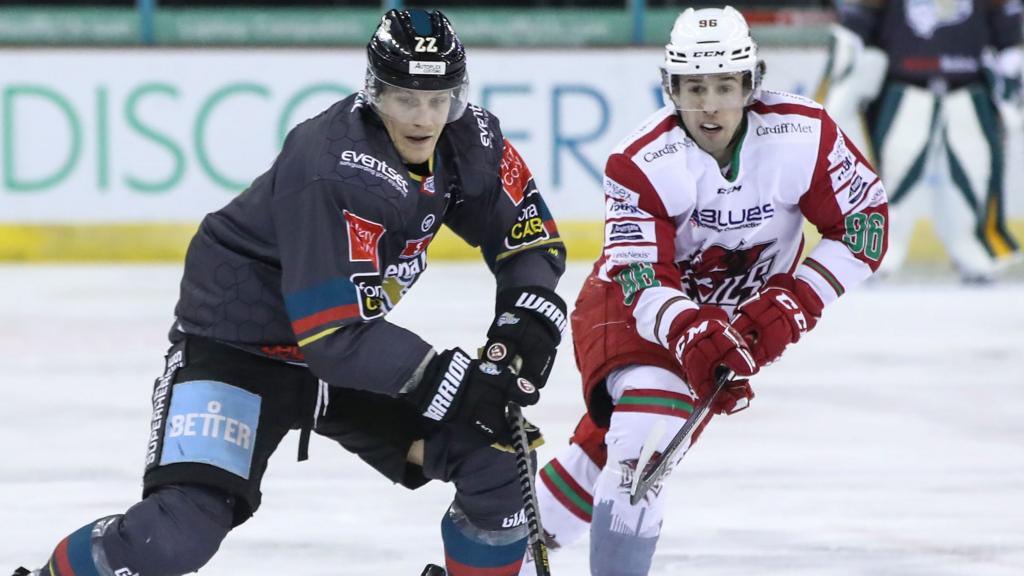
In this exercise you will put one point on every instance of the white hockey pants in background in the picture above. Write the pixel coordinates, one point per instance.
(575, 492)
(944, 152)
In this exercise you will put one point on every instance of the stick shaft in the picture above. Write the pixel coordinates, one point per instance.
(530, 507)
(650, 477)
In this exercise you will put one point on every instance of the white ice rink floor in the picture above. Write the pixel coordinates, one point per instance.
(889, 443)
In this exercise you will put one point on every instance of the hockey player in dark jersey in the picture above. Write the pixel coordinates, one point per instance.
(939, 85)
(281, 323)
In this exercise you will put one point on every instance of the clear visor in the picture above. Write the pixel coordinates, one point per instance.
(710, 92)
(406, 105)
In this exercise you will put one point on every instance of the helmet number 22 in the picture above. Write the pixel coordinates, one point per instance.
(427, 44)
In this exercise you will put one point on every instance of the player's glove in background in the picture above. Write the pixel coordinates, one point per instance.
(778, 315)
(702, 340)
(528, 324)
(456, 388)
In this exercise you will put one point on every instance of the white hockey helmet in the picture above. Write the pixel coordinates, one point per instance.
(706, 43)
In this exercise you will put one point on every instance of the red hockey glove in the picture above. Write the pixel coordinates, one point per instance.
(783, 310)
(702, 340)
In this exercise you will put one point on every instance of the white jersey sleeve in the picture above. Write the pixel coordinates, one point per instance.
(641, 222)
(846, 202)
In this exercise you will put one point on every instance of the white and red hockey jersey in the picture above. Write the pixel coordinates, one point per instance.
(679, 234)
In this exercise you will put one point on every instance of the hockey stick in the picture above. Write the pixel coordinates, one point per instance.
(648, 478)
(530, 507)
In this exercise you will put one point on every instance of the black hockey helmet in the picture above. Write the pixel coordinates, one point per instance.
(417, 50)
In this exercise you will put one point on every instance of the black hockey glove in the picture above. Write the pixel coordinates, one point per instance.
(528, 324)
(456, 388)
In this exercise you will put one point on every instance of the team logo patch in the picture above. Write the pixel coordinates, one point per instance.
(414, 248)
(428, 222)
(927, 16)
(515, 176)
(727, 277)
(428, 186)
(371, 295)
(363, 238)
(212, 423)
(628, 469)
(526, 386)
(528, 229)
(497, 352)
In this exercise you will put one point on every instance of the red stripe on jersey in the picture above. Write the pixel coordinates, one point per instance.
(323, 317)
(798, 109)
(63, 562)
(660, 128)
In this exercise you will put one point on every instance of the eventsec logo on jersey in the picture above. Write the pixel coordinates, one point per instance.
(375, 166)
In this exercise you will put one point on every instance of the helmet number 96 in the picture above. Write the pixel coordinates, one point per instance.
(426, 44)
(708, 23)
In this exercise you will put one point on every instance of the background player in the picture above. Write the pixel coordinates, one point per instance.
(940, 85)
(705, 206)
(281, 322)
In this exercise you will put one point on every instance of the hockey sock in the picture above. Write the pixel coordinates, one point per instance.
(469, 551)
(565, 495)
(623, 537)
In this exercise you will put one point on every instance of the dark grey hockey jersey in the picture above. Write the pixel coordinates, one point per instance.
(306, 263)
(926, 39)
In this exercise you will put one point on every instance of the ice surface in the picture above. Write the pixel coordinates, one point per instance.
(889, 442)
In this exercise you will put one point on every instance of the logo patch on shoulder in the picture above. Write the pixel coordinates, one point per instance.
(363, 238)
(529, 228)
(515, 175)
(414, 248)
(213, 423)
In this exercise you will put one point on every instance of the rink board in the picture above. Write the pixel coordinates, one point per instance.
(118, 154)
(158, 242)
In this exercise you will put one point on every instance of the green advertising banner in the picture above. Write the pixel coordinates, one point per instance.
(504, 27)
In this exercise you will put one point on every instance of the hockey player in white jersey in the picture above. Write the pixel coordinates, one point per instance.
(703, 266)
